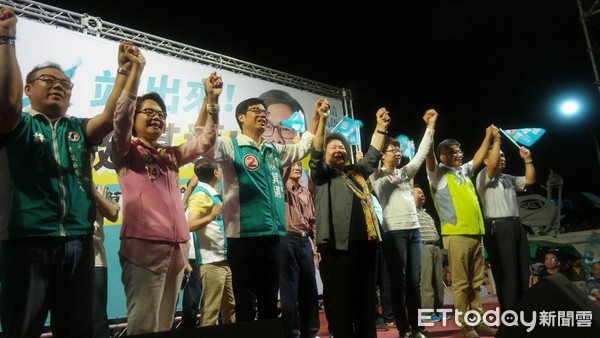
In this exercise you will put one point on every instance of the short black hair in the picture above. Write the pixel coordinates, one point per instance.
(555, 252)
(340, 137)
(32, 75)
(205, 169)
(337, 136)
(154, 96)
(274, 96)
(446, 145)
(391, 141)
(243, 106)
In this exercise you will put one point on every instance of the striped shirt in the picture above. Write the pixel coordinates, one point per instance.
(428, 230)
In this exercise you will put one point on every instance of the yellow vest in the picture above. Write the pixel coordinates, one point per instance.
(458, 206)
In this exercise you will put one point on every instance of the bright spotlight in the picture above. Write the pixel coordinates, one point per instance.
(570, 107)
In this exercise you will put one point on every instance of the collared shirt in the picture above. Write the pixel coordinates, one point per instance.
(428, 230)
(456, 199)
(299, 208)
(212, 245)
(498, 194)
(251, 189)
(394, 190)
(154, 234)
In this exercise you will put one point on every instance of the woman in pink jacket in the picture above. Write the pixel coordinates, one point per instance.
(154, 234)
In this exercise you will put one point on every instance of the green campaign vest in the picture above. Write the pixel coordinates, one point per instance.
(50, 168)
(262, 195)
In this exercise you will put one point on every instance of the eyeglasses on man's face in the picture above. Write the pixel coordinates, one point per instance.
(285, 132)
(51, 80)
(151, 113)
(258, 111)
(394, 151)
(454, 152)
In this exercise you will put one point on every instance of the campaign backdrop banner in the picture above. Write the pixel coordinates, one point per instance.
(91, 63)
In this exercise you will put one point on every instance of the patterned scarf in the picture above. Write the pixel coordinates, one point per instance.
(359, 187)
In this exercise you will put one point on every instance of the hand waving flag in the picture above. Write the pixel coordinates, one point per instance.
(408, 146)
(296, 122)
(524, 136)
(350, 128)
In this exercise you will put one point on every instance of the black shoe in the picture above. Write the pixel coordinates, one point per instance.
(381, 326)
(421, 334)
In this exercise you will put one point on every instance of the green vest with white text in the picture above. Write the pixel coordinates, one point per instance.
(262, 203)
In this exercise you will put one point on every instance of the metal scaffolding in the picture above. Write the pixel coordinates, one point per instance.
(87, 24)
(589, 17)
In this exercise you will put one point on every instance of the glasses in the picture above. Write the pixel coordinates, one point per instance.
(554, 259)
(258, 111)
(285, 132)
(151, 113)
(455, 152)
(394, 151)
(51, 80)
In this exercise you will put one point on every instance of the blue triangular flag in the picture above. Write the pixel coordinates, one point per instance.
(407, 145)
(524, 136)
(350, 128)
(296, 122)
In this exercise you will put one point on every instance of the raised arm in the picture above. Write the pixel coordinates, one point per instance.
(11, 81)
(529, 168)
(129, 57)
(125, 111)
(431, 160)
(209, 111)
(380, 132)
(483, 149)
(322, 113)
(430, 118)
(314, 123)
(206, 123)
(493, 162)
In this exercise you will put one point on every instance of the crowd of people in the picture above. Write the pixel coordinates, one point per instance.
(248, 236)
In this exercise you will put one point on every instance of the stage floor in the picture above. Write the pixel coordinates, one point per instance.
(438, 330)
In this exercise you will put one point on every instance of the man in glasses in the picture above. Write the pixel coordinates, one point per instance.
(47, 211)
(462, 225)
(281, 106)
(254, 212)
(505, 240)
(552, 264)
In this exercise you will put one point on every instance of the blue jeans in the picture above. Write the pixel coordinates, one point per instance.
(402, 249)
(47, 274)
(298, 285)
(383, 282)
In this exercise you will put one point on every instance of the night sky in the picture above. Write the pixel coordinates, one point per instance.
(476, 62)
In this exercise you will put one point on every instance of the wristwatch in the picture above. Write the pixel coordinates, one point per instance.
(213, 109)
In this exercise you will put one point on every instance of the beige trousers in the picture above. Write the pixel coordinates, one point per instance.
(465, 257)
(217, 294)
